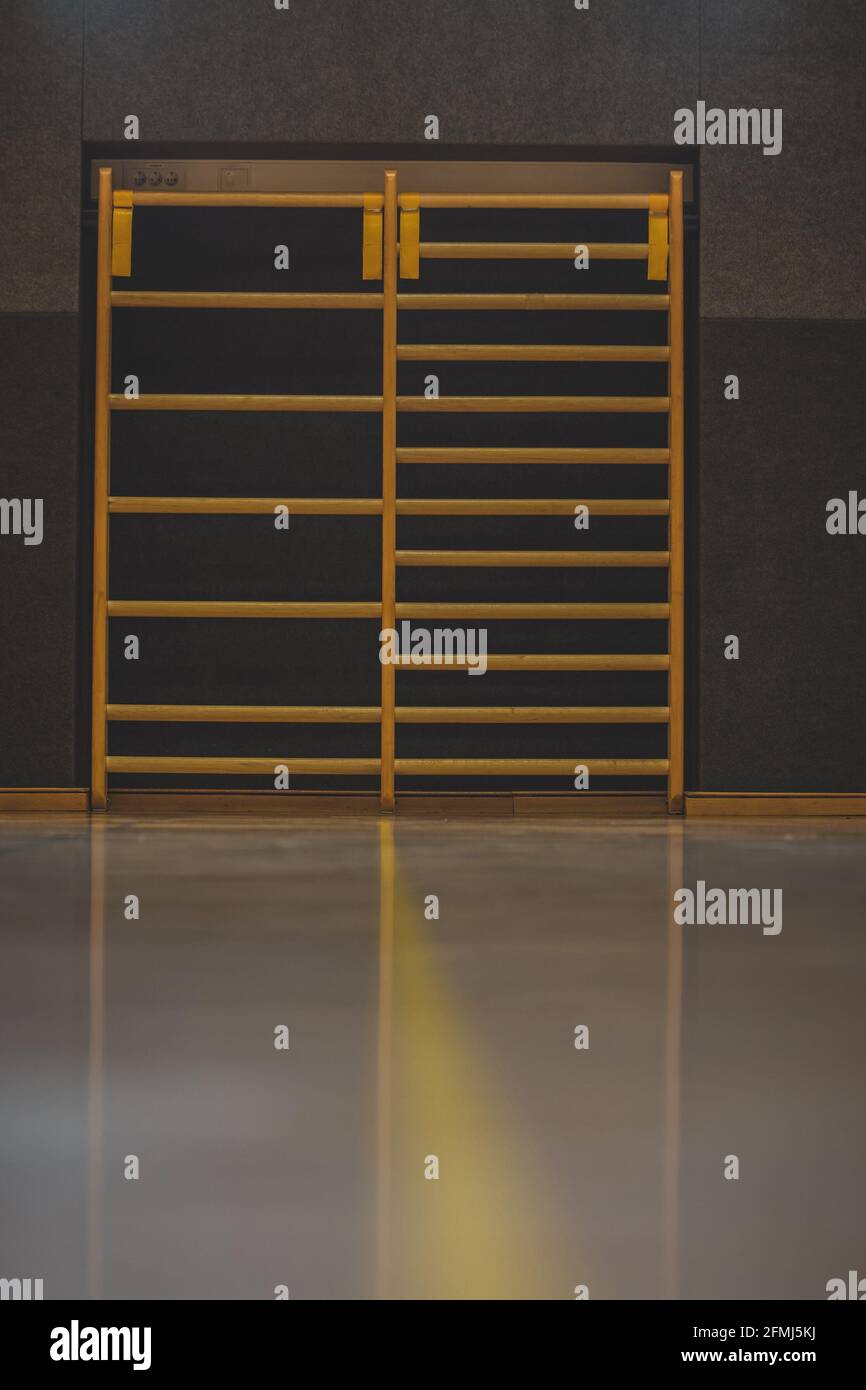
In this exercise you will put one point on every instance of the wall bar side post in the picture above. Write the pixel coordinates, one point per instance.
(389, 480)
(676, 492)
(101, 465)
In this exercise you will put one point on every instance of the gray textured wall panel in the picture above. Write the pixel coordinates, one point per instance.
(788, 716)
(498, 71)
(39, 452)
(782, 236)
(40, 136)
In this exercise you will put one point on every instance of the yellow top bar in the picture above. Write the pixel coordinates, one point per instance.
(534, 200)
(255, 200)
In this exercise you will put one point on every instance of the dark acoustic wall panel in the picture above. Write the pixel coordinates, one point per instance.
(496, 71)
(39, 450)
(782, 235)
(788, 716)
(40, 133)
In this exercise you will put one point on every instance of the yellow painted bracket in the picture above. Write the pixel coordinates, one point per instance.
(410, 238)
(372, 253)
(657, 259)
(121, 234)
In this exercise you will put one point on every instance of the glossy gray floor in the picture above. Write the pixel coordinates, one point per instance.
(431, 976)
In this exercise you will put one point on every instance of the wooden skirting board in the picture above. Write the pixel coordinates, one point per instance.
(23, 799)
(317, 804)
(709, 805)
(700, 805)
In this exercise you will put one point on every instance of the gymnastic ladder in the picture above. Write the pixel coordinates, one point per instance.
(663, 251)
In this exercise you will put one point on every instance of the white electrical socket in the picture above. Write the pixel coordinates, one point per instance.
(154, 175)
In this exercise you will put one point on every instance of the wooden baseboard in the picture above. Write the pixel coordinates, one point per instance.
(590, 804)
(709, 805)
(44, 799)
(700, 805)
(303, 804)
(454, 804)
(255, 803)
(317, 804)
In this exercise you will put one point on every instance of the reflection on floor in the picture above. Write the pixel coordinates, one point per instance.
(509, 1072)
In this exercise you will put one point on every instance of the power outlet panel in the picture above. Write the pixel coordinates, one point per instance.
(154, 175)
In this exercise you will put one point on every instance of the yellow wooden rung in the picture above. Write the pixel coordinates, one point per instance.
(410, 238)
(372, 253)
(657, 259)
(121, 234)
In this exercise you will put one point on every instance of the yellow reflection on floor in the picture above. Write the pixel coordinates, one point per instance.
(476, 1230)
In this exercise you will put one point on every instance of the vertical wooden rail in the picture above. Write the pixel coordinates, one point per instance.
(101, 453)
(676, 522)
(389, 478)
